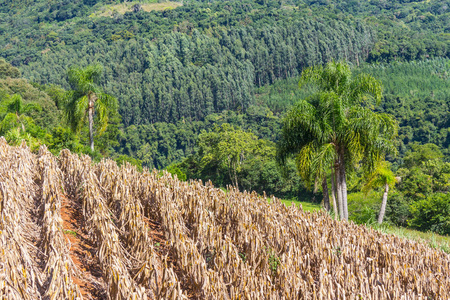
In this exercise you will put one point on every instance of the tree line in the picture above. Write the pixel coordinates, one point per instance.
(181, 76)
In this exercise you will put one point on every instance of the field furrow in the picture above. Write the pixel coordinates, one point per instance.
(114, 259)
(120, 184)
(59, 267)
(82, 251)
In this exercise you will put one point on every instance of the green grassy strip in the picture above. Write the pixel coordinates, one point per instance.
(307, 206)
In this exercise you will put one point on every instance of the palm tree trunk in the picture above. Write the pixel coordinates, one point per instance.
(339, 193)
(383, 204)
(20, 122)
(91, 122)
(343, 184)
(326, 197)
(333, 195)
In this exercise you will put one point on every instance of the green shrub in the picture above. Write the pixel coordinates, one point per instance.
(175, 170)
(362, 208)
(432, 213)
(121, 159)
(398, 209)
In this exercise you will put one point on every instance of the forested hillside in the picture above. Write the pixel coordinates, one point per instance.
(202, 58)
(193, 76)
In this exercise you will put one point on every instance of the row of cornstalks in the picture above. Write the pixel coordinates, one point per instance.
(120, 186)
(238, 245)
(59, 267)
(113, 257)
(20, 276)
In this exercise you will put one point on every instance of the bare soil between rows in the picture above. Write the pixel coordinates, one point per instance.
(82, 252)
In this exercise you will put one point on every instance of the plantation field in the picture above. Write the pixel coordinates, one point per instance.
(109, 10)
(72, 229)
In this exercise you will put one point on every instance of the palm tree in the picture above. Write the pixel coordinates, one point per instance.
(88, 100)
(13, 114)
(382, 176)
(336, 129)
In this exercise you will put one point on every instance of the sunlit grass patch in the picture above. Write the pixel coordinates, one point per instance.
(122, 8)
(307, 206)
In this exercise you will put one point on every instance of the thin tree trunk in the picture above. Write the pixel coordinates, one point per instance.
(343, 183)
(383, 204)
(333, 195)
(91, 122)
(20, 122)
(339, 193)
(326, 196)
(232, 173)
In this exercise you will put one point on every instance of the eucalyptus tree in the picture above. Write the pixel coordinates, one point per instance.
(225, 149)
(86, 100)
(336, 129)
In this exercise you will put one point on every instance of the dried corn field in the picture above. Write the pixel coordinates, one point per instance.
(72, 229)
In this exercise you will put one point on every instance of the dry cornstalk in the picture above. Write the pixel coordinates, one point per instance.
(19, 274)
(59, 267)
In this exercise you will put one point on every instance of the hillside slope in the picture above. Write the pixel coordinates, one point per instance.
(215, 245)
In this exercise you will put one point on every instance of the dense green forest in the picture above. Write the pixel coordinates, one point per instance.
(198, 77)
(417, 93)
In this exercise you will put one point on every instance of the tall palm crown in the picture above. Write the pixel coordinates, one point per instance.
(336, 129)
(87, 99)
(381, 176)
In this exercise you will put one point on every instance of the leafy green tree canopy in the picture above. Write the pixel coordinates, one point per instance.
(432, 213)
(14, 113)
(227, 148)
(6, 70)
(421, 153)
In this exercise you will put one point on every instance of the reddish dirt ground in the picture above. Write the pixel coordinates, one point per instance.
(157, 236)
(82, 252)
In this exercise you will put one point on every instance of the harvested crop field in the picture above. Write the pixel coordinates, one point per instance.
(72, 229)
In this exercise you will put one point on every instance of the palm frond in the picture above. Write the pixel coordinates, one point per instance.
(76, 110)
(365, 88)
(8, 122)
(102, 116)
(304, 160)
(85, 79)
(379, 177)
(324, 157)
(311, 75)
